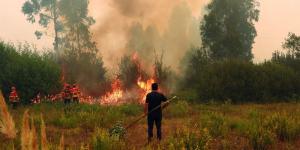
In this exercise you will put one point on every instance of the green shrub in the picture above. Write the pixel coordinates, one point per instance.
(30, 72)
(285, 127)
(189, 140)
(260, 138)
(103, 141)
(215, 123)
(242, 81)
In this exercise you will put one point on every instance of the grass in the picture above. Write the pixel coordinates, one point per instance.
(185, 126)
(7, 124)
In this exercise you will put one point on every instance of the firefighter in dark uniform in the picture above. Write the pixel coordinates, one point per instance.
(153, 100)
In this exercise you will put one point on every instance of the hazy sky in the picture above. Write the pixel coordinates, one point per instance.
(277, 18)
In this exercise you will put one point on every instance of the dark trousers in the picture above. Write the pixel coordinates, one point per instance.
(14, 104)
(155, 118)
(67, 101)
(76, 100)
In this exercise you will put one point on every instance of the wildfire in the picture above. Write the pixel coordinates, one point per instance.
(114, 97)
(145, 87)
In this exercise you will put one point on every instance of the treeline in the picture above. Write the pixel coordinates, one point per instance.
(30, 72)
(239, 80)
(242, 81)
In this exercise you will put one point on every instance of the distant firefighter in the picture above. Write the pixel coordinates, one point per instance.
(67, 95)
(13, 97)
(75, 93)
(37, 99)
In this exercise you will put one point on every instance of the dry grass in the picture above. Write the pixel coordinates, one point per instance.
(62, 143)
(25, 132)
(7, 124)
(29, 139)
(34, 138)
(44, 142)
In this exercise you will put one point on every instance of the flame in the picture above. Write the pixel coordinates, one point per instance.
(145, 87)
(114, 97)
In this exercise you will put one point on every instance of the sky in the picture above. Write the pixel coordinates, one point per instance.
(277, 19)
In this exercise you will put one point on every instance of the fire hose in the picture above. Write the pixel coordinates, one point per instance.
(144, 115)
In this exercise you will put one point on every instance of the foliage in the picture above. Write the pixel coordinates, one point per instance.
(292, 44)
(216, 124)
(87, 70)
(163, 74)
(45, 12)
(260, 138)
(283, 126)
(30, 72)
(228, 29)
(242, 81)
(102, 141)
(117, 130)
(129, 71)
(76, 21)
(185, 139)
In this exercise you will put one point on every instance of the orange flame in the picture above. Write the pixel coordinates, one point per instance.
(114, 97)
(145, 86)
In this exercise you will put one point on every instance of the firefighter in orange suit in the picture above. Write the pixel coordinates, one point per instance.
(13, 97)
(67, 95)
(75, 93)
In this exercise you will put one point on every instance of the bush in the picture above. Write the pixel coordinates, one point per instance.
(103, 141)
(188, 140)
(30, 72)
(242, 81)
(285, 127)
(215, 123)
(260, 138)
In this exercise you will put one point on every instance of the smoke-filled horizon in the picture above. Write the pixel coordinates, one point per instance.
(168, 27)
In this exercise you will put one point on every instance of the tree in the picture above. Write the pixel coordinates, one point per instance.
(228, 29)
(77, 23)
(45, 11)
(292, 44)
(30, 72)
(129, 71)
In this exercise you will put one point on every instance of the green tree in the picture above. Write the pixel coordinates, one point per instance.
(77, 23)
(27, 70)
(228, 29)
(129, 71)
(292, 44)
(46, 12)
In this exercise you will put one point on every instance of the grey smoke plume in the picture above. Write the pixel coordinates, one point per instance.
(170, 27)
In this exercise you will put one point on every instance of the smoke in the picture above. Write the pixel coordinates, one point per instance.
(168, 27)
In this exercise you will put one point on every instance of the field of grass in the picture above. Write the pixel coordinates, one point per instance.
(185, 126)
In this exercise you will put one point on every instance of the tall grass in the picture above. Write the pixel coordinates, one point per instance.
(44, 142)
(26, 132)
(284, 126)
(7, 124)
(62, 143)
(103, 141)
(29, 137)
